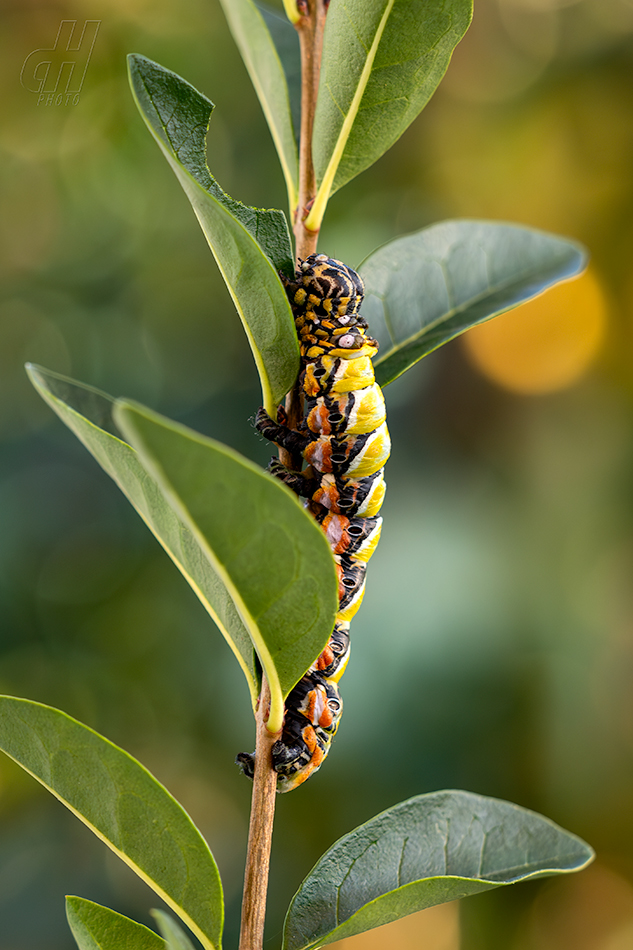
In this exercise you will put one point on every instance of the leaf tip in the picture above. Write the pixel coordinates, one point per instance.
(586, 857)
(124, 412)
(134, 61)
(36, 375)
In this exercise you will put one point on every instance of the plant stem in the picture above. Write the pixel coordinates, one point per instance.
(260, 831)
(310, 29)
(294, 413)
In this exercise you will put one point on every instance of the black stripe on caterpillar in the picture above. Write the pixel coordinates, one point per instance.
(344, 439)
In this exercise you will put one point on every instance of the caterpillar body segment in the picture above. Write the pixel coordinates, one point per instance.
(341, 454)
(353, 457)
(357, 536)
(334, 375)
(353, 412)
(344, 439)
(333, 660)
(360, 496)
(351, 588)
(341, 496)
(313, 711)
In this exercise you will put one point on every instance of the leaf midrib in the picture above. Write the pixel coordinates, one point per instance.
(315, 217)
(436, 877)
(275, 719)
(268, 400)
(184, 916)
(179, 564)
(454, 311)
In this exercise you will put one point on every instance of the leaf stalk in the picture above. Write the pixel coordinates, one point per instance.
(260, 831)
(310, 29)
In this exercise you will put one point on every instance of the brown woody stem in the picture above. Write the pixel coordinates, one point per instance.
(310, 29)
(294, 412)
(260, 832)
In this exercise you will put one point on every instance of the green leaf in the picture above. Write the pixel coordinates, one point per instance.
(425, 289)
(430, 849)
(98, 928)
(88, 413)
(272, 557)
(249, 245)
(174, 936)
(118, 799)
(382, 61)
(261, 58)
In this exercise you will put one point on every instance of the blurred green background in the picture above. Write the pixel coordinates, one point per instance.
(494, 651)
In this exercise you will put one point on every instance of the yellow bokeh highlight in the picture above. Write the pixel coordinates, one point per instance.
(434, 929)
(590, 911)
(546, 344)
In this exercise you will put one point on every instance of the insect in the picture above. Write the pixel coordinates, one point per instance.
(344, 439)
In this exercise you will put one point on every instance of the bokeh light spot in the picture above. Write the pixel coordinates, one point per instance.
(593, 911)
(436, 928)
(546, 344)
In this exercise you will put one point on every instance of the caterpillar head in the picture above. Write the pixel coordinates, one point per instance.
(326, 287)
(326, 277)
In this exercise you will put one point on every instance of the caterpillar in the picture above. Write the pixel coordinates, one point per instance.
(344, 439)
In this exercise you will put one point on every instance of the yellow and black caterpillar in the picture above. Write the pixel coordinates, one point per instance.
(344, 439)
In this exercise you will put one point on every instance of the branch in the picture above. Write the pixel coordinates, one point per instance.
(310, 28)
(260, 831)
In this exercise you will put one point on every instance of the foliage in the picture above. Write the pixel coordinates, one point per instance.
(382, 61)
(249, 245)
(431, 849)
(118, 799)
(98, 928)
(471, 271)
(253, 555)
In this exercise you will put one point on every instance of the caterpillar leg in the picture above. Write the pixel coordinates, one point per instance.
(246, 762)
(300, 482)
(282, 435)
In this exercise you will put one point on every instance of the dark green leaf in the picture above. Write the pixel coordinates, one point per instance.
(174, 936)
(123, 804)
(430, 849)
(271, 555)
(249, 245)
(250, 27)
(88, 413)
(382, 61)
(425, 289)
(98, 928)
